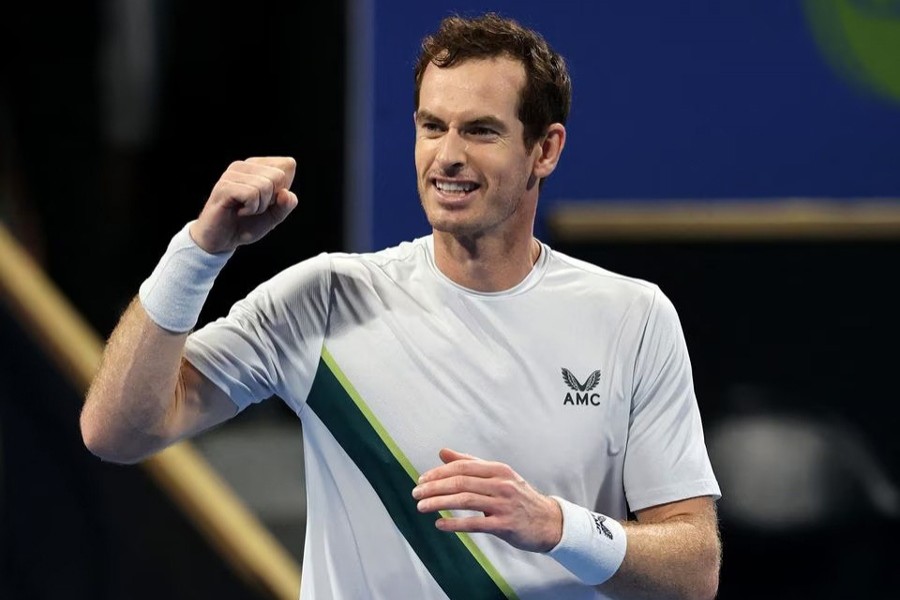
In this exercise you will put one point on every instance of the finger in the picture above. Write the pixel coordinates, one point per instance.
(250, 206)
(455, 485)
(277, 176)
(232, 195)
(449, 455)
(265, 185)
(474, 468)
(286, 164)
(285, 202)
(461, 501)
(474, 524)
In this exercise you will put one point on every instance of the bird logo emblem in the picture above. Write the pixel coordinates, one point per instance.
(589, 383)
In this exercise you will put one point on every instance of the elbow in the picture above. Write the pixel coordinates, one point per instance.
(708, 582)
(712, 588)
(708, 589)
(100, 442)
(703, 582)
(91, 433)
(704, 587)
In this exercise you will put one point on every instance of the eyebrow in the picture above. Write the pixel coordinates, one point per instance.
(484, 121)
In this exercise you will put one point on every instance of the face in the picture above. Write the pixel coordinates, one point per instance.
(475, 176)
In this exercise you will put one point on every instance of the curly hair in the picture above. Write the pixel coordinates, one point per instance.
(547, 94)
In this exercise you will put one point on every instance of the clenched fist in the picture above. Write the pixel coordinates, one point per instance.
(248, 201)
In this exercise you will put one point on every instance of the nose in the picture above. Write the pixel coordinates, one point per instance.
(452, 151)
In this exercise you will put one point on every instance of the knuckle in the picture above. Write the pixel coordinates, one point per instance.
(498, 525)
(505, 487)
(222, 191)
(507, 471)
(460, 466)
(468, 500)
(266, 186)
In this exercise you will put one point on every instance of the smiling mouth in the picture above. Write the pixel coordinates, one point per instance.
(455, 188)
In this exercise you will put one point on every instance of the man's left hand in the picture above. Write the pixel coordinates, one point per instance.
(513, 510)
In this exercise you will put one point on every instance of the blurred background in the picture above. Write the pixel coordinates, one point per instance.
(744, 156)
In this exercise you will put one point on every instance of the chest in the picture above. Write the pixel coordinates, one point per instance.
(527, 382)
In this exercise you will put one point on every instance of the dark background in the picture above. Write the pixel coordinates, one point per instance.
(97, 209)
(793, 345)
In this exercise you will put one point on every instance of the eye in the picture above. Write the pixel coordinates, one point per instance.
(482, 131)
(430, 128)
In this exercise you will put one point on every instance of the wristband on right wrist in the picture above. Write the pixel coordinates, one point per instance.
(175, 292)
(592, 546)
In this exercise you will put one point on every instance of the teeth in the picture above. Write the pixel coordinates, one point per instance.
(454, 186)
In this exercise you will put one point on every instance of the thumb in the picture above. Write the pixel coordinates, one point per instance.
(285, 201)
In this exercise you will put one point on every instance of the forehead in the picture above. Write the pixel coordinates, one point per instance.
(473, 88)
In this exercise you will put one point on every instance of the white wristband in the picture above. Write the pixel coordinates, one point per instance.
(174, 293)
(592, 546)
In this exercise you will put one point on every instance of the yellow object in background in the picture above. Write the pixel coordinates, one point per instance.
(861, 40)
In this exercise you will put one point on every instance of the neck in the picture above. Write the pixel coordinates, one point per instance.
(485, 264)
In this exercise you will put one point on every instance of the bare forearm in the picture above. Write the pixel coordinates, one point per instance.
(145, 396)
(678, 559)
(672, 551)
(126, 412)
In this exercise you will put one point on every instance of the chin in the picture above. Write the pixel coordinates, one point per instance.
(455, 227)
(459, 222)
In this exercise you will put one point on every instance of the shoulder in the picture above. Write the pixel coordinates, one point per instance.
(405, 252)
(325, 268)
(582, 277)
(394, 263)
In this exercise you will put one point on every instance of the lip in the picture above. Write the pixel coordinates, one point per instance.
(453, 198)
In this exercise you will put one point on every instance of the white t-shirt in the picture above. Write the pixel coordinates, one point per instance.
(578, 378)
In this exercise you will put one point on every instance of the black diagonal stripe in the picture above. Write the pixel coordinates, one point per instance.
(444, 554)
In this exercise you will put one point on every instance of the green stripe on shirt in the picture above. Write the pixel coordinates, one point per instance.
(455, 562)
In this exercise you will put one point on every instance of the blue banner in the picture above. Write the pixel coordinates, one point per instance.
(695, 100)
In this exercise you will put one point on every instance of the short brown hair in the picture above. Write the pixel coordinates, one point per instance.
(547, 94)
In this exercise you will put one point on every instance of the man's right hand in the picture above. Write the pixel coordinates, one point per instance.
(248, 201)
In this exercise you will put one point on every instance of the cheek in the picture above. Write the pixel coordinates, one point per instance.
(512, 174)
(421, 158)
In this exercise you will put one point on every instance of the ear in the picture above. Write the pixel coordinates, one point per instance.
(551, 148)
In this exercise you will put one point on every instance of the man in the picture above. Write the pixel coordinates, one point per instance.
(481, 414)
